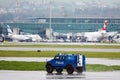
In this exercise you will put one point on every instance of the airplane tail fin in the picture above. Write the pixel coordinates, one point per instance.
(105, 25)
(9, 30)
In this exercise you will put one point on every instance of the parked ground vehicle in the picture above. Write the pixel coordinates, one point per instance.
(70, 62)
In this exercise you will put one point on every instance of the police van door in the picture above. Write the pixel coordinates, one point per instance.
(79, 60)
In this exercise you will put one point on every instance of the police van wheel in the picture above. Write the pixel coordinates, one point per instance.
(49, 68)
(79, 69)
(59, 70)
(70, 69)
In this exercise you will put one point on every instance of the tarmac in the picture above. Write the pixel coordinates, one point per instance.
(58, 49)
(43, 75)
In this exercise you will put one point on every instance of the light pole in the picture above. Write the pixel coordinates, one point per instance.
(50, 15)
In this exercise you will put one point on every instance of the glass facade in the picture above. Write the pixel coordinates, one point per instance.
(65, 25)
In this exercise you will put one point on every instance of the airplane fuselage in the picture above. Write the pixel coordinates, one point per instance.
(18, 37)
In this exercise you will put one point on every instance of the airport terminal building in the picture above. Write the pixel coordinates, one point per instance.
(63, 25)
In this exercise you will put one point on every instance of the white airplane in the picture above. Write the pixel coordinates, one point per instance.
(22, 37)
(96, 36)
(34, 37)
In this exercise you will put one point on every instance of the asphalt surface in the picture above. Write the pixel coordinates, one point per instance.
(59, 49)
(42, 75)
(44, 59)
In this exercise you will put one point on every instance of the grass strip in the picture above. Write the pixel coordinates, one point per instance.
(14, 65)
(99, 67)
(112, 55)
(37, 66)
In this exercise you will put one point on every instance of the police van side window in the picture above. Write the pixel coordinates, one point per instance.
(63, 57)
(56, 58)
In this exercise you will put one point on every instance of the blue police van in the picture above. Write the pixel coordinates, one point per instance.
(70, 62)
